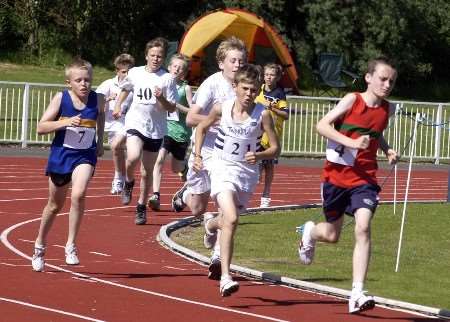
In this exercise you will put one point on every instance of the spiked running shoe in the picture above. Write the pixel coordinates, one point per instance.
(154, 203)
(127, 192)
(360, 302)
(177, 199)
(265, 202)
(307, 244)
(37, 261)
(141, 215)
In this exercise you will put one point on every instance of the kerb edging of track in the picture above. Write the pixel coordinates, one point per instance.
(164, 238)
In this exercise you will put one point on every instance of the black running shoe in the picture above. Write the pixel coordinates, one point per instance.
(141, 215)
(177, 199)
(127, 192)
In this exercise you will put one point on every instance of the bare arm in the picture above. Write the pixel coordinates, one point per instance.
(168, 106)
(200, 133)
(117, 108)
(274, 149)
(48, 124)
(194, 117)
(100, 123)
(325, 125)
(182, 108)
(281, 113)
(390, 153)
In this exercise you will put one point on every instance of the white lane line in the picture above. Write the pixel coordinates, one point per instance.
(100, 254)
(135, 261)
(176, 268)
(27, 240)
(83, 279)
(5, 241)
(49, 309)
(14, 265)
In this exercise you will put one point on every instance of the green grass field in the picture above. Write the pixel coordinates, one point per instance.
(268, 242)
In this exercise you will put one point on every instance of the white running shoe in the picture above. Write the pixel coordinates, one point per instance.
(265, 202)
(72, 255)
(360, 302)
(307, 244)
(209, 238)
(116, 186)
(228, 286)
(37, 262)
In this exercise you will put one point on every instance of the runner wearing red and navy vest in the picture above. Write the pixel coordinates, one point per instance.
(354, 129)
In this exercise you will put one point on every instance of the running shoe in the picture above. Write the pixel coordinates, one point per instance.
(154, 203)
(307, 244)
(127, 192)
(228, 286)
(141, 215)
(177, 199)
(72, 255)
(116, 186)
(265, 202)
(209, 238)
(37, 261)
(360, 302)
(215, 268)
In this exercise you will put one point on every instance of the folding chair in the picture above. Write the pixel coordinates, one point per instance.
(328, 76)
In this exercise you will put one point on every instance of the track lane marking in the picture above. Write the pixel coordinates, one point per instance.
(5, 241)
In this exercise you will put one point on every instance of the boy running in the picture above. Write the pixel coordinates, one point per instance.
(354, 129)
(234, 171)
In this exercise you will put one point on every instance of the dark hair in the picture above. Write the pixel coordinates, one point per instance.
(157, 42)
(373, 63)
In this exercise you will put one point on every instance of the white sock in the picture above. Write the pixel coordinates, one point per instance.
(357, 287)
(117, 175)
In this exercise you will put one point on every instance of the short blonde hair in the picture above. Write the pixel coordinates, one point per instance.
(276, 67)
(78, 63)
(181, 57)
(229, 44)
(249, 73)
(124, 59)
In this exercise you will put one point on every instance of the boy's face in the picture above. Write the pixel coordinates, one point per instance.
(270, 77)
(233, 60)
(155, 58)
(79, 82)
(382, 81)
(178, 68)
(122, 71)
(246, 93)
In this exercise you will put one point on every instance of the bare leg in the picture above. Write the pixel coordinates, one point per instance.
(118, 154)
(157, 169)
(227, 224)
(361, 252)
(134, 151)
(268, 178)
(328, 232)
(56, 198)
(80, 180)
(147, 164)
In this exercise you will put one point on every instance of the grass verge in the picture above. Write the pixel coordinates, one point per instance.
(268, 242)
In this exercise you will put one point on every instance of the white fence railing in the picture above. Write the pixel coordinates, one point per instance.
(22, 105)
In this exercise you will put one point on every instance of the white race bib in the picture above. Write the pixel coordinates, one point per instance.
(145, 96)
(235, 149)
(338, 153)
(173, 116)
(79, 137)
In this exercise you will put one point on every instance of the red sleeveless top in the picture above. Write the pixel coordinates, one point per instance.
(359, 120)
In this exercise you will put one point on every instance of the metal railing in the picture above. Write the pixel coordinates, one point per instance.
(22, 105)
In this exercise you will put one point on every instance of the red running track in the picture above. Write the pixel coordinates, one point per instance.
(125, 275)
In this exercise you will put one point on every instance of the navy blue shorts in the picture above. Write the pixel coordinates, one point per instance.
(178, 149)
(150, 145)
(338, 201)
